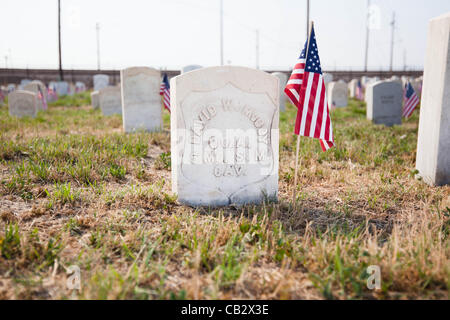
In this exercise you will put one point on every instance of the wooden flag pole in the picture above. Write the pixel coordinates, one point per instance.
(294, 192)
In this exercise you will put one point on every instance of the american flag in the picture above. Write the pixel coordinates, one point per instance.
(164, 91)
(41, 96)
(411, 101)
(306, 90)
(359, 91)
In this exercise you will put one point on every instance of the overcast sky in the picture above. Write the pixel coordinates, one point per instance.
(173, 33)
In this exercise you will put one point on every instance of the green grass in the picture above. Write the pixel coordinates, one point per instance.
(76, 100)
(76, 190)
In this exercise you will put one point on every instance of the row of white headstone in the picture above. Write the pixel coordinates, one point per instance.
(33, 96)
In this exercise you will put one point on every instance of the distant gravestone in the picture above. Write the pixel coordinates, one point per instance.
(72, 89)
(141, 102)
(22, 104)
(224, 130)
(62, 88)
(23, 83)
(95, 100)
(384, 102)
(433, 147)
(38, 87)
(365, 81)
(337, 94)
(11, 87)
(100, 81)
(80, 87)
(282, 96)
(327, 77)
(110, 100)
(189, 68)
(352, 87)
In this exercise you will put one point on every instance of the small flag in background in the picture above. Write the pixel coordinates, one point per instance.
(306, 90)
(164, 91)
(41, 96)
(411, 101)
(359, 91)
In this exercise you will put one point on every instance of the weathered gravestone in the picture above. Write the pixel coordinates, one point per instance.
(337, 94)
(282, 96)
(62, 88)
(189, 68)
(110, 100)
(141, 102)
(225, 136)
(433, 147)
(22, 103)
(38, 87)
(384, 102)
(100, 81)
(95, 100)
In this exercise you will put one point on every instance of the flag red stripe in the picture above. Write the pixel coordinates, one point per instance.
(319, 121)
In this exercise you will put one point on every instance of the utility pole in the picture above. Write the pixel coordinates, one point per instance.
(6, 62)
(221, 32)
(392, 42)
(307, 19)
(61, 75)
(366, 59)
(257, 49)
(97, 27)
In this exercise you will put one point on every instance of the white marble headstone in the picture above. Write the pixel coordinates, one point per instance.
(38, 87)
(22, 103)
(337, 94)
(110, 100)
(384, 102)
(433, 146)
(100, 81)
(224, 131)
(141, 102)
(283, 81)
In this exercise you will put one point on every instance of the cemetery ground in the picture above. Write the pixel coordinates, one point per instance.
(76, 191)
